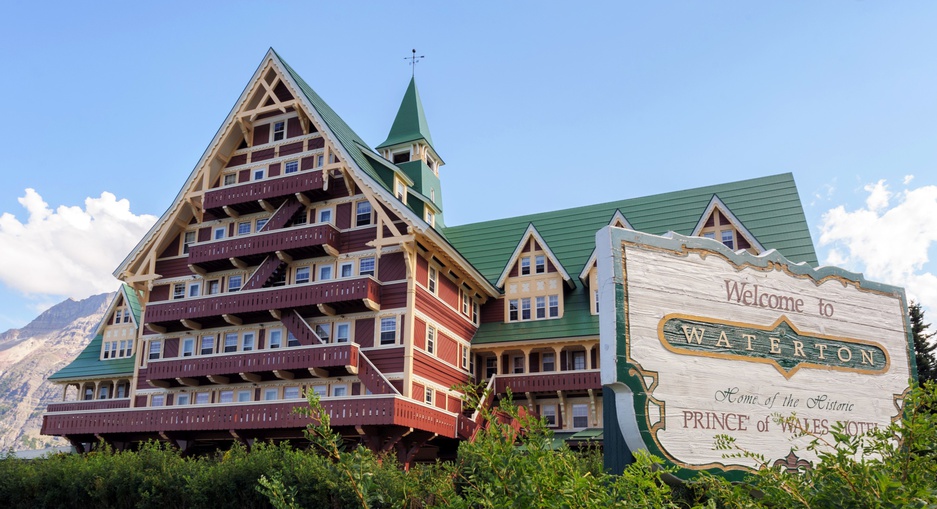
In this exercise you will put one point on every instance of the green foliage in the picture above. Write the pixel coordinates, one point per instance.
(513, 462)
(924, 350)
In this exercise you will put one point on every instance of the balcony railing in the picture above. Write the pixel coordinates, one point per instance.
(290, 358)
(77, 406)
(288, 240)
(232, 196)
(262, 300)
(351, 411)
(549, 382)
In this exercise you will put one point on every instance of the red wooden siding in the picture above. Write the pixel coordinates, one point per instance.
(445, 316)
(394, 296)
(355, 240)
(493, 311)
(392, 267)
(139, 401)
(343, 216)
(261, 134)
(293, 128)
(387, 360)
(273, 170)
(244, 176)
(364, 332)
(237, 160)
(263, 155)
(422, 270)
(419, 333)
(447, 349)
(292, 148)
(171, 347)
(159, 293)
(172, 249)
(204, 234)
(431, 368)
(455, 404)
(315, 144)
(448, 291)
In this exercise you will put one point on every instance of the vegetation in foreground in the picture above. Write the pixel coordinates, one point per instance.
(501, 468)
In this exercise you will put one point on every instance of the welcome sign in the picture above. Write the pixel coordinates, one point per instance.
(705, 341)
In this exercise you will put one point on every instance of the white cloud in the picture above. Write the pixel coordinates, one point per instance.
(908, 179)
(69, 251)
(887, 242)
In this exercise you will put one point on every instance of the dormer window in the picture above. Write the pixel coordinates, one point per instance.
(721, 225)
(400, 190)
(279, 130)
(430, 217)
(525, 266)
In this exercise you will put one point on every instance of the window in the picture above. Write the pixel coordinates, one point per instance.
(234, 283)
(428, 396)
(275, 339)
(342, 332)
(400, 190)
(319, 161)
(540, 264)
(548, 414)
(208, 345)
(401, 157)
(291, 392)
(302, 275)
(346, 269)
(366, 267)
(548, 360)
(188, 238)
(525, 308)
(580, 415)
(465, 357)
(320, 390)
(244, 228)
(728, 239)
(106, 351)
(279, 130)
(432, 281)
(324, 331)
(339, 390)
(512, 310)
(219, 232)
(182, 398)
(226, 397)
(178, 291)
(475, 308)
(230, 179)
(325, 272)
(389, 330)
(214, 287)
(579, 360)
(195, 289)
(525, 266)
(291, 167)
(291, 340)
(230, 342)
(325, 215)
(300, 217)
(491, 366)
(429, 217)
(363, 213)
(247, 341)
(89, 393)
(595, 300)
(202, 398)
(541, 307)
(709, 235)
(431, 339)
(518, 363)
(155, 348)
(245, 396)
(466, 303)
(127, 348)
(260, 224)
(271, 393)
(554, 306)
(103, 392)
(188, 347)
(157, 400)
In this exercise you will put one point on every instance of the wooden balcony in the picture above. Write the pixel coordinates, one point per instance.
(297, 242)
(77, 406)
(343, 295)
(244, 198)
(261, 415)
(549, 382)
(338, 359)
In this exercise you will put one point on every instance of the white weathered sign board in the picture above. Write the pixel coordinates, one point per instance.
(705, 341)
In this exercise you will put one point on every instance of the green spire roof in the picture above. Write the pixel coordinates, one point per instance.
(410, 124)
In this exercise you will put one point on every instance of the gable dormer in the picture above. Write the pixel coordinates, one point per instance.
(589, 274)
(718, 223)
(409, 146)
(534, 281)
(118, 329)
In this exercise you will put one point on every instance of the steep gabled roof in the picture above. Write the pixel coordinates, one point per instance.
(410, 122)
(768, 207)
(88, 364)
(715, 204)
(532, 232)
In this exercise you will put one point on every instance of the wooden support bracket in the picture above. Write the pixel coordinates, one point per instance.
(190, 324)
(189, 382)
(197, 270)
(237, 262)
(370, 304)
(218, 379)
(319, 372)
(250, 377)
(232, 319)
(283, 374)
(276, 314)
(325, 309)
(162, 384)
(267, 206)
(284, 256)
(231, 212)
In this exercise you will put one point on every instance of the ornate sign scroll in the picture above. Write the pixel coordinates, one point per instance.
(704, 341)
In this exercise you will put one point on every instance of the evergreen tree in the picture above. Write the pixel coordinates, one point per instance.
(923, 349)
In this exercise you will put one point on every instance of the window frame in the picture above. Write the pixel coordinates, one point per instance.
(432, 280)
(157, 345)
(190, 343)
(298, 277)
(219, 232)
(186, 243)
(387, 337)
(573, 416)
(331, 213)
(270, 335)
(431, 334)
(294, 164)
(240, 284)
(362, 271)
(359, 215)
(278, 134)
(338, 338)
(346, 265)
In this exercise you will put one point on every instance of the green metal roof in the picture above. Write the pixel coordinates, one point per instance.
(768, 207)
(410, 122)
(89, 364)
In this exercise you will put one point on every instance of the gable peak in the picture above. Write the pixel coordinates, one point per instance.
(410, 123)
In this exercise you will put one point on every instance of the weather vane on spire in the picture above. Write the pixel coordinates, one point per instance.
(414, 60)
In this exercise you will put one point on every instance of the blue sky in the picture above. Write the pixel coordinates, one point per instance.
(109, 107)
